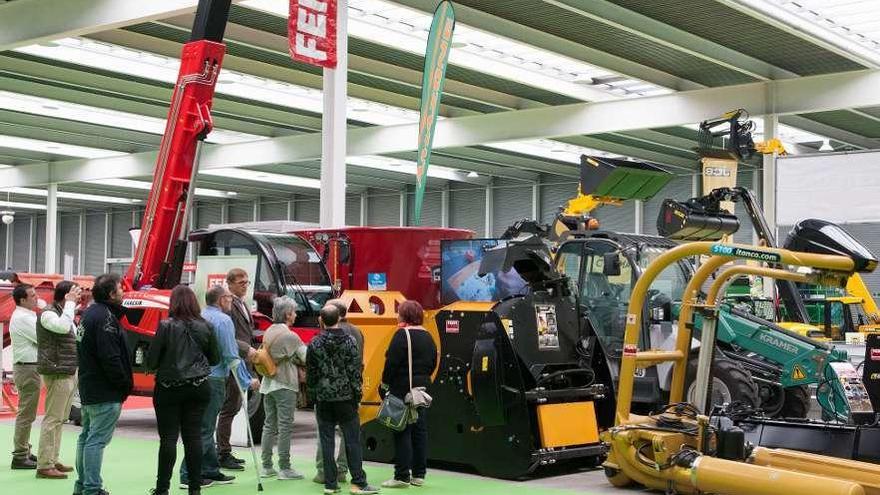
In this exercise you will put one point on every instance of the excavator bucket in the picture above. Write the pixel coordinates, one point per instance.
(621, 179)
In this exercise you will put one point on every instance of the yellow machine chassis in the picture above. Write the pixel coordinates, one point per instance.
(647, 451)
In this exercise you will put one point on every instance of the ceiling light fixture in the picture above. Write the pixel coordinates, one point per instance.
(473, 175)
(251, 175)
(146, 186)
(826, 145)
(55, 148)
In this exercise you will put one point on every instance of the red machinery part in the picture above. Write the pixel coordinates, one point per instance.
(406, 255)
(189, 120)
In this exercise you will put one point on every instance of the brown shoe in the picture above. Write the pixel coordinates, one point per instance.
(63, 468)
(51, 473)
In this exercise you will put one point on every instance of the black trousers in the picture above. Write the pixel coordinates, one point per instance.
(345, 415)
(179, 412)
(411, 449)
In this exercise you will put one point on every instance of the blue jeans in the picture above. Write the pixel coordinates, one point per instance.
(98, 425)
(210, 463)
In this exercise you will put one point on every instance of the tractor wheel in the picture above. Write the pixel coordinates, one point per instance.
(797, 402)
(617, 478)
(730, 383)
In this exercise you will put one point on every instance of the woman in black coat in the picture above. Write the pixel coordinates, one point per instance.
(181, 355)
(411, 444)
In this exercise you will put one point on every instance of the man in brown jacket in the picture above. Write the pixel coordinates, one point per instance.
(238, 282)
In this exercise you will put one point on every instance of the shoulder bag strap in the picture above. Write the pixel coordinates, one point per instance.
(409, 355)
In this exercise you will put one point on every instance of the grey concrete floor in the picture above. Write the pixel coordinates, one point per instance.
(141, 424)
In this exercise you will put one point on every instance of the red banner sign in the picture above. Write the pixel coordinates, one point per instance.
(311, 32)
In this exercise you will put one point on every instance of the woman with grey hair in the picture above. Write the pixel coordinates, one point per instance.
(280, 390)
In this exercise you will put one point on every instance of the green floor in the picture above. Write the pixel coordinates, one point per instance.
(130, 467)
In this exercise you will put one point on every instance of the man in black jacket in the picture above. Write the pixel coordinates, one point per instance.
(335, 383)
(105, 380)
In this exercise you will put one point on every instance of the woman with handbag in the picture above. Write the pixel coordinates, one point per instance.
(409, 363)
(181, 355)
(280, 387)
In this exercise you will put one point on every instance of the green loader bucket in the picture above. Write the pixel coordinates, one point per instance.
(621, 179)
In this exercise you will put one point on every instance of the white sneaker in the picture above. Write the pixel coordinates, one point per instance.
(394, 483)
(289, 474)
(268, 473)
(417, 481)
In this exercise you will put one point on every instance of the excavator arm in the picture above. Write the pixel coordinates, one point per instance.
(161, 247)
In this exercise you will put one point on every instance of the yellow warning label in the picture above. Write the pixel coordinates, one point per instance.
(485, 363)
(798, 373)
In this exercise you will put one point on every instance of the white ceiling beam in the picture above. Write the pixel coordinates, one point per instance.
(497, 25)
(816, 34)
(651, 29)
(26, 22)
(837, 134)
(792, 96)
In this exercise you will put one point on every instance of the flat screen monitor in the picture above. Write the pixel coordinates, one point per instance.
(460, 278)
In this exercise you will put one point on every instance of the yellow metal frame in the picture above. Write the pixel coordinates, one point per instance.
(632, 358)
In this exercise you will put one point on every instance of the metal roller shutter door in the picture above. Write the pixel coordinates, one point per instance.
(307, 210)
(555, 195)
(241, 211)
(467, 207)
(679, 188)
(511, 201)
(383, 210)
(120, 241)
(273, 210)
(69, 237)
(746, 231)
(208, 214)
(21, 243)
(431, 209)
(617, 218)
(40, 247)
(352, 210)
(93, 264)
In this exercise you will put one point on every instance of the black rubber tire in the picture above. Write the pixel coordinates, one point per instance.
(617, 478)
(737, 380)
(797, 402)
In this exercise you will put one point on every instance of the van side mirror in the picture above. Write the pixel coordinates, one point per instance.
(344, 248)
(611, 266)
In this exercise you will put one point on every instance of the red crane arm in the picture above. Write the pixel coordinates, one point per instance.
(189, 121)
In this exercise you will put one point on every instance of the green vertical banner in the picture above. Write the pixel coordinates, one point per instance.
(436, 58)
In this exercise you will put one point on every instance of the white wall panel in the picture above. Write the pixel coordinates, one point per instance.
(838, 187)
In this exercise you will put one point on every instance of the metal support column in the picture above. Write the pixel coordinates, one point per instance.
(107, 236)
(536, 201)
(81, 244)
(758, 192)
(768, 189)
(402, 208)
(696, 184)
(257, 206)
(51, 229)
(444, 206)
(290, 209)
(8, 260)
(639, 216)
(32, 245)
(363, 216)
(490, 217)
(333, 128)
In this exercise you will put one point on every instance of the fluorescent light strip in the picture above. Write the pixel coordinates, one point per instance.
(406, 29)
(55, 148)
(147, 65)
(101, 116)
(146, 186)
(403, 166)
(24, 191)
(821, 20)
(23, 206)
(258, 176)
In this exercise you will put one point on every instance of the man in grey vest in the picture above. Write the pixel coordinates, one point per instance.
(57, 363)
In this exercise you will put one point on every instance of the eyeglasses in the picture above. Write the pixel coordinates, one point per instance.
(244, 282)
